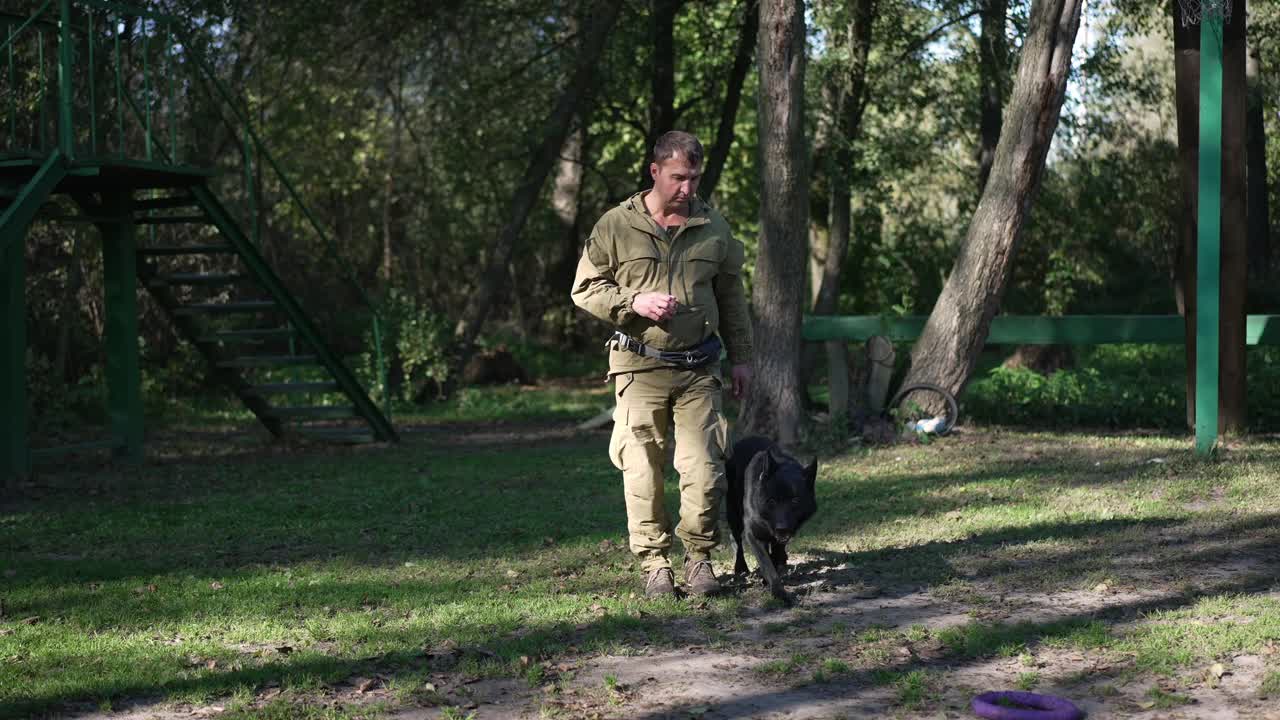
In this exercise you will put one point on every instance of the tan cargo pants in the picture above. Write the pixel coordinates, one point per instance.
(649, 405)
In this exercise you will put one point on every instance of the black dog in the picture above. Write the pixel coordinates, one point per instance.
(770, 496)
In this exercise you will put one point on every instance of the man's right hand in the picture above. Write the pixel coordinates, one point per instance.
(655, 306)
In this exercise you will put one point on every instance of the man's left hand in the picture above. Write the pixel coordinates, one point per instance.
(741, 375)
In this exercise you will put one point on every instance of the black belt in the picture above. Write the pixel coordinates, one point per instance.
(705, 352)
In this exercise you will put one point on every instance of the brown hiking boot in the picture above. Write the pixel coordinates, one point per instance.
(700, 578)
(660, 582)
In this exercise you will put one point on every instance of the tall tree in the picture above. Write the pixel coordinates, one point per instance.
(662, 75)
(1232, 342)
(719, 152)
(849, 100)
(1256, 152)
(957, 327)
(493, 277)
(773, 406)
(993, 74)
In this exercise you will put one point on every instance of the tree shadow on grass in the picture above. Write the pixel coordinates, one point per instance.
(500, 648)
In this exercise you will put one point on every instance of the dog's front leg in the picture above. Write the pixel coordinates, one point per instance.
(778, 553)
(767, 569)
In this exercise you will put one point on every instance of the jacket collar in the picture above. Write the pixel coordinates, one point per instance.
(639, 218)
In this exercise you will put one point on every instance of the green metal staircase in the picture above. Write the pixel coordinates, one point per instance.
(245, 323)
(95, 135)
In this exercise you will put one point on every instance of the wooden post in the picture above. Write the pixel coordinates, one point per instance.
(15, 459)
(120, 280)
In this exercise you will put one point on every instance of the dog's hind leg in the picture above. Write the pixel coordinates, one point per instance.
(768, 570)
(739, 558)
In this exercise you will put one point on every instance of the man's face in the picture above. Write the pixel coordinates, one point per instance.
(675, 180)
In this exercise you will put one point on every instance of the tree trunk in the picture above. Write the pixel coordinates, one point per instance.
(566, 200)
(773, 407)
(957, 328)
(662, 74)
(1256, 152)
(719, 154)
(493, 276)
(1235, 270)
(850, 101)
(1186, 67)
(993, 68)
(388, 201)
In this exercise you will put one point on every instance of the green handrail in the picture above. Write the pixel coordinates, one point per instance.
(31, 20)
(220, 92)
(114, 16)
(330, 246)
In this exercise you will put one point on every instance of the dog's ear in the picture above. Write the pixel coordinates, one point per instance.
(763, 460)
(811, 474)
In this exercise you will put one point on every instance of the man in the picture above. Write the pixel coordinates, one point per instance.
(664, 269)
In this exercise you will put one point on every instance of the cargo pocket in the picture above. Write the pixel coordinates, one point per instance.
(633, 429)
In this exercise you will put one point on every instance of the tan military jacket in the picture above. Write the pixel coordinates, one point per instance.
(701, 265)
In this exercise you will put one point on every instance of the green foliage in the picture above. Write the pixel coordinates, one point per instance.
(1112, 385)
(415, 342)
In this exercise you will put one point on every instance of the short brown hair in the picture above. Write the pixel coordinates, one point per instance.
(678, 142)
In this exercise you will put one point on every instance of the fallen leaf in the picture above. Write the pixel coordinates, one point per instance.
(152, 588)
(1217, 670)
(524, 659)
(596, 607)
(31, 620)
(216, 585)
(365, 686)
(211, 664)
(512, 574)
(1101, 587)
(429, 687)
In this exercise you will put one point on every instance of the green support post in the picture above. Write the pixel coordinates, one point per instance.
(15, 460)
(66, 54)
(1208, 234)
(120, 279)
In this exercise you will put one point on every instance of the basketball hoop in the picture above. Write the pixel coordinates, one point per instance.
(1193, 11)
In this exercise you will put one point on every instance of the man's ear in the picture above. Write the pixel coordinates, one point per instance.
(653, 170)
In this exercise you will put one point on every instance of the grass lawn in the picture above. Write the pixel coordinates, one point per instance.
(479, 560)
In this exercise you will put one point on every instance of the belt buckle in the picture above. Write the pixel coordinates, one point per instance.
(688, 358)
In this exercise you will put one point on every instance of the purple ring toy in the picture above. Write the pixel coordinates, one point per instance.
(1031, 706)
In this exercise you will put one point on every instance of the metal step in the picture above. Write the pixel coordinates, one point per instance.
(197, 279)
(164, 203)
(295, 387)
(187, 250)
(318, 412)
(268, 361)
(255, 335)
(337, 435)
(247, 306)
(171, 219)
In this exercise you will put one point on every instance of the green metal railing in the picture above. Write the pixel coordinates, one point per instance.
(128, 85)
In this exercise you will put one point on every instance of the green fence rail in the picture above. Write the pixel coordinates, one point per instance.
(1037, 330)
(108, 82)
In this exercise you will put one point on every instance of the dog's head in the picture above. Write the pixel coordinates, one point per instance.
(785, 491)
